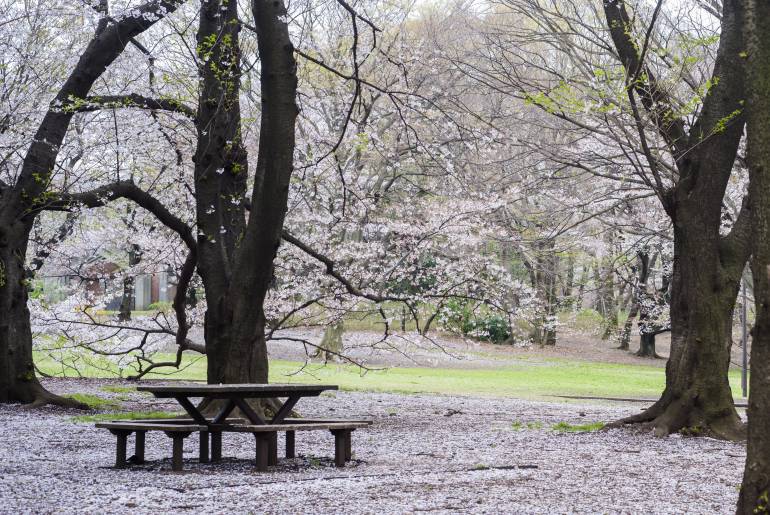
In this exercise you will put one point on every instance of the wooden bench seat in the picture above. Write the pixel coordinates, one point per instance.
(267, 438)
(176, 431)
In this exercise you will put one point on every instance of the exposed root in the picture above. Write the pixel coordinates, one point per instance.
(682, 414)
(39, 397)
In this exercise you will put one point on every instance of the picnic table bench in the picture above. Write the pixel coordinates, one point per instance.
(235, 396)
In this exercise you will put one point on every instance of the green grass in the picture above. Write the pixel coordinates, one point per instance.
(94, 401)
(532, 379)
(131, 415)
(563, 427)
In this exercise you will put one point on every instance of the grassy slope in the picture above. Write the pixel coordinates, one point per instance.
(534, 380)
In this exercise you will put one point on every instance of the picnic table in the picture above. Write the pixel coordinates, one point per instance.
(265, 430)
(236, 396)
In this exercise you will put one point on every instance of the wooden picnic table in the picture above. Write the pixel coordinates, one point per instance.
(236, 396)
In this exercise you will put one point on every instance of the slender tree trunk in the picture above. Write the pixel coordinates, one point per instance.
(755, 491)
(127, 300)
(625, 331)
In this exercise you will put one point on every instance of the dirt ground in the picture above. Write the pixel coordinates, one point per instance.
(423, 453)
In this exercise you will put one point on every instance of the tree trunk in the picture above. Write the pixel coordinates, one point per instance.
(330, 347)
(127, 300)
(707, 266)
(647, 346)
(235, 257)
(755, 491)
(625, 331)
(704, 288)
(18, 382)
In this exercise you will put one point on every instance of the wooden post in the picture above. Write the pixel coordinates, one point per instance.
(348, 450)
(176, 460)
(203, 455)
(290, 444)
(216, 446)
(272, 457)
(139, 447)
(120, 452)
(262, 451)
(339, 447)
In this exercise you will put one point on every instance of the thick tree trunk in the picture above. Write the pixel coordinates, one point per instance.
(18, 382)
(235, 257)
(707, 266)
(755, 491)
(647, 346)
(697, 394)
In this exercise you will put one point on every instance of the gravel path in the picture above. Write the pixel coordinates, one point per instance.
(424, 453)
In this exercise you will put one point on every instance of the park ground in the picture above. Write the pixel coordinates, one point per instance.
(458, 427)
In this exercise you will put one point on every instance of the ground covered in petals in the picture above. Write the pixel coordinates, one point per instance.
(424, 453)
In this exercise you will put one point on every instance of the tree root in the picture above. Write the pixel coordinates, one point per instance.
(42, 397)
(681, 414)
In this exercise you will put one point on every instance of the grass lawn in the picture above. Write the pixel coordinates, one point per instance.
(536, 379)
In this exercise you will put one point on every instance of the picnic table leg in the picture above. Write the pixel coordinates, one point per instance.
(263, 445)
(216, 446)
(178, 449)
(339, 447)
(290, 444)
(348, 450)
(272, 457)
(204, 447)
(120, 451)
(139, 447)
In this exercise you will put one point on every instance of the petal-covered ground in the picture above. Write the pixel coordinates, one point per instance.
(423, 453)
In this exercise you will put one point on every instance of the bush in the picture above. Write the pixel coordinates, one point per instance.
(459, 316)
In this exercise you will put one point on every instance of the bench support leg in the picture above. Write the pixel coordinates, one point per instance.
(262, 451)
(290, 444)
(176, 457)
(139, 447)
(120, 449)
(272, 457)
(216, 446)
(339, 447)
(348, 449)
(203, 455)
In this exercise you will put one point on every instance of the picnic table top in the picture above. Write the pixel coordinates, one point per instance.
(199, 389)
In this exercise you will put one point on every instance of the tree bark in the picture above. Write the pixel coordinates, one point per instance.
(127, 299)
(755, 491)
(236, 258)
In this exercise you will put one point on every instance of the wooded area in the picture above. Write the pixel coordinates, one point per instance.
(219, 178)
